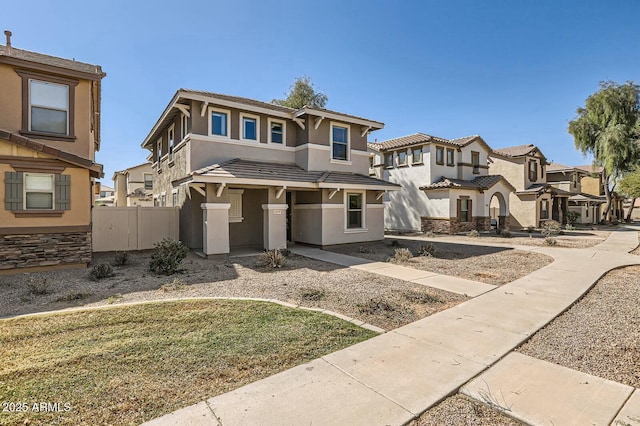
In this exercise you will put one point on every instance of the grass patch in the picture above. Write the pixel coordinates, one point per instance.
(126, 365)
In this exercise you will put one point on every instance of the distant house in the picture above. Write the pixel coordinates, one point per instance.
(592, 184)
(49, 133)
(445, 184)
(247, 173)
(569, 179)
(104, 195)
(134, 187)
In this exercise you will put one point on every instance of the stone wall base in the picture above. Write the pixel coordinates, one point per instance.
(453, 225)
(483, 223)
(21, 253)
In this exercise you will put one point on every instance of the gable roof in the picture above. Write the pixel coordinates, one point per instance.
(92, 71)
(95, 169)
(591, 169)
(553, 167)
(423, 139)
(480, 183)
(519, 151)
(253, 172)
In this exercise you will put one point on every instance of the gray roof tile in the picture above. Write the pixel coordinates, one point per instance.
(481, 182)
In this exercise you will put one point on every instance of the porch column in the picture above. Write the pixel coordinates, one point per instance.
(215, 228)
(275, 226)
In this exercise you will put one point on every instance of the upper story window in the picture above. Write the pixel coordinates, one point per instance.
(533, 170)
(184, 126)
(475, 161)
(159, 151)
(171, 140)
(416, 154)
(219, 122)
(276, 131)
(402, 158)
(148, 181)
(388, 160)
(48, 107)
(38, 191)
(439, 155)
(250, 127)
(339, 142)
(450, 156)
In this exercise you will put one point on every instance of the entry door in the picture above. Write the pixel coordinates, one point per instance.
(288, 216)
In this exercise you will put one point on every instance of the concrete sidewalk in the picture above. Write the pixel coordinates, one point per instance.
(392, 378)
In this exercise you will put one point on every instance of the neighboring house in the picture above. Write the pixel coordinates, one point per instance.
(104, 195)
(534, 200)
(49, 133)
(445, 184)
(569, 179)
(592, 184)
(250, 173)
(134, 186)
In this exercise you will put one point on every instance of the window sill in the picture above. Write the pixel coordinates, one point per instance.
(48, 136)
(345, 162)
(356, 230)
(419, 163)
(401, 166)
(236, 219)
(439, 164)
(388, 167)
(37, 213)
(171, 163)
(450, 165)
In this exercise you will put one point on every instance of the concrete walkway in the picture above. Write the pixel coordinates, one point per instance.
(431, 279)
(394, 377)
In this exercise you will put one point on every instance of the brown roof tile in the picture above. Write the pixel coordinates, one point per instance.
(54, 61)
(481, 182)
(515, 151)
(589, 168)
(405, 141)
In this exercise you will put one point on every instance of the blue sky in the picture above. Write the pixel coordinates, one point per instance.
(511, 71)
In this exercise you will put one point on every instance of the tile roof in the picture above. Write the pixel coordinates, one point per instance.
(481, 182)
(54, 61)
(557, 167)
(257, 170)
(54, 152)
(515, 151)
(374, 146)
(534, 188)
(423, 138)
(590, 168)
(587, 197)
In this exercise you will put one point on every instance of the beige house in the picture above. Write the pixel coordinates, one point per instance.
(104, 195)
(569, 179)
(592, 185)
(445, 184)
(49, 133)
(249, 173)
(534, 200)
(134, 187)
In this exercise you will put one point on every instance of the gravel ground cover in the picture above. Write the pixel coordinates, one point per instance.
(600, 334)
(491, 265)
(385, 302)
(458, 410)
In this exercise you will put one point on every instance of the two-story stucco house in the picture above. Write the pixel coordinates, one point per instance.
(49, 133)
(445, 185)
(592, 185)
(534, 200)
(134, 187)
(569, 179)
(250, 173)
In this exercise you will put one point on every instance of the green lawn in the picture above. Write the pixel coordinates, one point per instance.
(126, 365)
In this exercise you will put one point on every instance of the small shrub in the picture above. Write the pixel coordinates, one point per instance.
(39, 287)
(572, 217)
(174, 285)
(569, 227)
(312, 294)
(427, 250)
(363, 249)
(395, 243)
(167, 256)
(100, 271)
(376, 306)
(285, 252)
(473, 234)
(551, 227)
(421, 298)
(401, 255)
(506, 233)
(550, 241)
(122, 258)
(272, 258)
(430, 234)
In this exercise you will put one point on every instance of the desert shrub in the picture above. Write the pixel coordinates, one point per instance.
(122, 258)
(313, 294)
(572, 217)
(363, 249)
(427, 250)
(551, 227)
(100, 271)
(271, 258)
(420, 297)
(550, 241)
(506, 233)
(401, 255)
(430, 234)
(38, 286)
(167, 256)
(376, 306)
(395, 243)
(473, 233)
(174, 285)
(285, 252)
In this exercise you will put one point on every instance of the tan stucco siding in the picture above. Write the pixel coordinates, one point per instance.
(11, 95)
(591, 185)
(513, 170)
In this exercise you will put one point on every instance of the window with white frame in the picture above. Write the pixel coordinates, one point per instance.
(339, 142)
(464, 210)
(171, 140)
(416, 155)
(38, 191)
(148, 181)
(184, 126)
(402, 158)
(475, 161)
(355, 211)
(159, 150)
(219, 122)
(235, 199)
(250, 127)
(276, 131)
(48, 107)
(174, 198)
(450, 157)
(439, 155)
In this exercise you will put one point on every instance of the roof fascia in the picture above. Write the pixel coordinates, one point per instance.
(375, 125)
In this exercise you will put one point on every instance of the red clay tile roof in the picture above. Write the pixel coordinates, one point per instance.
(54, 152)
(480, 183)
(54, 61)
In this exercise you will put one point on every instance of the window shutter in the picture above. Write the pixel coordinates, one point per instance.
(13, 190)
(470, 211)
(63, 192)
(459, 209)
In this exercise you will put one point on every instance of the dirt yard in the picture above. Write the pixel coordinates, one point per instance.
(491, 265)
(385, 302)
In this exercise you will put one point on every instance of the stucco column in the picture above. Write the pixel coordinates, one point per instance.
(275, 226)
(215, 228)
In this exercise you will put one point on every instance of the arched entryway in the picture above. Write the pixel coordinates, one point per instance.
(498, 211)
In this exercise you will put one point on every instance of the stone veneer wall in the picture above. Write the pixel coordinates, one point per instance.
(483, 223)
(42, 250)
(439, 226)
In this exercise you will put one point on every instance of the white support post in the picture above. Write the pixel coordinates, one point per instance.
(275, 226)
